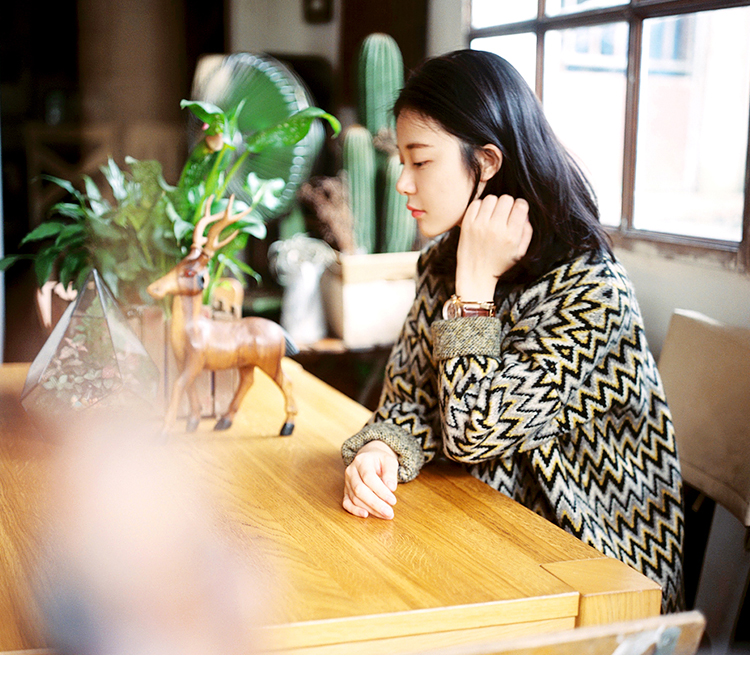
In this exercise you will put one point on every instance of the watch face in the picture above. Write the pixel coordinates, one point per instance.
(451, 309)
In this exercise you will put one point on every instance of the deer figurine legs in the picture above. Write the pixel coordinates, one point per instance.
(289, 404)
(185, 381)
(246, 382)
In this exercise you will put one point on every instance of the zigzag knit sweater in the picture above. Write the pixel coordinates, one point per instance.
(556, 402)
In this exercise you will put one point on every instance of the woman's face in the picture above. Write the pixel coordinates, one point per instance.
(434, 177)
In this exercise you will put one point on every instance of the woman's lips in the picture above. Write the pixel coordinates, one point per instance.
(416, 214)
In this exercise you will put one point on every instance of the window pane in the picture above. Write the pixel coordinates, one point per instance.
(519, 49)
(497, 12)
(693, 123)
(584, 99)
(555, 7)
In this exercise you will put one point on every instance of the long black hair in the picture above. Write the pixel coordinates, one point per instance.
(481, 99)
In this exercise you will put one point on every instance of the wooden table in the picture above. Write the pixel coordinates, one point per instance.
(459, 563)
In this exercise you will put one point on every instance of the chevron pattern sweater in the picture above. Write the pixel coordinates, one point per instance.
(556, 402)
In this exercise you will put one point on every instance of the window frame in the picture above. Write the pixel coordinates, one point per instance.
(732, 254)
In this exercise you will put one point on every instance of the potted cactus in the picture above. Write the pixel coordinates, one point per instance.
(370, 159)
(369, 292)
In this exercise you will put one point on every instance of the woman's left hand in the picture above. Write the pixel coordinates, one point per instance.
(495, 234)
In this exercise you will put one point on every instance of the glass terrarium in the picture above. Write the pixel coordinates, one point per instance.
(92, 361)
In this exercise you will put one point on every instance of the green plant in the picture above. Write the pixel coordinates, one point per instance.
(147, 226)
(215, 160)
(360, 168)
(381, 220)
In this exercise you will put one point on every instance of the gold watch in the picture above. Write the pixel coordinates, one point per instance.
(455, 308)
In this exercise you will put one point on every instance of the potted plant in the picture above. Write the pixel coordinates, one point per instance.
(147, 226)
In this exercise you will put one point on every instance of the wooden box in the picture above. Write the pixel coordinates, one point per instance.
(367, 297)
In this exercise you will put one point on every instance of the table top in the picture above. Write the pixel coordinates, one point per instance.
(459, 562)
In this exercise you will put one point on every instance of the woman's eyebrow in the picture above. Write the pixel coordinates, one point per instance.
(418, 145)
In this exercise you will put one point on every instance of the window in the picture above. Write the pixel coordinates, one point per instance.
(652, 98)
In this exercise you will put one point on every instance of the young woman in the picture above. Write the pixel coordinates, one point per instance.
(524, 355)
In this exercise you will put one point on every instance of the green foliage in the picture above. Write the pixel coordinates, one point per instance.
(359, 165)
(379, 213)
(400, 226)
(381, 78)
(148, 225)
(130, 240)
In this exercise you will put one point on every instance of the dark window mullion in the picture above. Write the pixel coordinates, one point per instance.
(540, 35)
(632, 93)
(744, 248)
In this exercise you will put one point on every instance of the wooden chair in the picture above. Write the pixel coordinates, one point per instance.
(668, 634)
(705, 367)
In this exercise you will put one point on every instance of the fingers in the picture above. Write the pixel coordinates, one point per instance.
(519, 227)
(359, 491)
(369, 483)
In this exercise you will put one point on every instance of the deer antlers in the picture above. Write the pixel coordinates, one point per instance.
(210, 244)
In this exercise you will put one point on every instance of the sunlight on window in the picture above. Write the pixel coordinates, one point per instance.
(496, 12)
(519, 49)
(584, 99)
(555, 7)
(692, 124)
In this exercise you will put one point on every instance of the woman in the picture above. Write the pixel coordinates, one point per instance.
(524, 355)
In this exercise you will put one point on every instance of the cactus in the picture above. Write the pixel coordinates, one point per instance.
(381, 77)
(381, 222)
(400, 226)
(360, 171)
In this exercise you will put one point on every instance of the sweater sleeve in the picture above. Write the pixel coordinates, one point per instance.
(512, 386)
(408, 417)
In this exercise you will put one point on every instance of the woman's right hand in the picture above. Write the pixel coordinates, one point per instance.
(495, 235)
(370, 480)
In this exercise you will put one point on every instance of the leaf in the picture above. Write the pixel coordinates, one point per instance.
(291, 130)
(116, 179)
(72, 265)
(265, 192)
(209, 113)
(44, 263)
(65, 184)
(11, 259)
(98, 204)
(43, 231)
(254, 225)
(73, 235)
(240, 268)
(73, 211)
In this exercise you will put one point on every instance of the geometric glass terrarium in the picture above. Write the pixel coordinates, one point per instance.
(92, 361)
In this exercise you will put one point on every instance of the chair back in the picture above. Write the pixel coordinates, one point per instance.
(667, 634)
(705, 368)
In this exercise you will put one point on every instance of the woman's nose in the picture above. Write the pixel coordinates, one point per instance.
(405, 185)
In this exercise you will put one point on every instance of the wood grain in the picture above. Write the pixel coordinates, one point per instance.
(458, 563)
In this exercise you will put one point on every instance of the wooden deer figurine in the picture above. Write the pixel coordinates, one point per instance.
(201, 343)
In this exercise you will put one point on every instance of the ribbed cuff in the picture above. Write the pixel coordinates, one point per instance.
(408, 450)
(470, 335)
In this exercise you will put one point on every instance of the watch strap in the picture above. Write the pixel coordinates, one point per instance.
(455, 308)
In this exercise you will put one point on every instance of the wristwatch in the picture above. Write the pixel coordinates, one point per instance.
(455, 308)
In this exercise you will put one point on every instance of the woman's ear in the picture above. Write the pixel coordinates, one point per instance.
(490, 159)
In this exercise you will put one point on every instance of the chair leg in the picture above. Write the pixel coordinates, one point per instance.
(724, 579)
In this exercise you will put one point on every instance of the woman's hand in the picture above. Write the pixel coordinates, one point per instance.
(370, 480)
(495, 234)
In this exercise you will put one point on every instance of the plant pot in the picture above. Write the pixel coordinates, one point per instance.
(367, 297)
